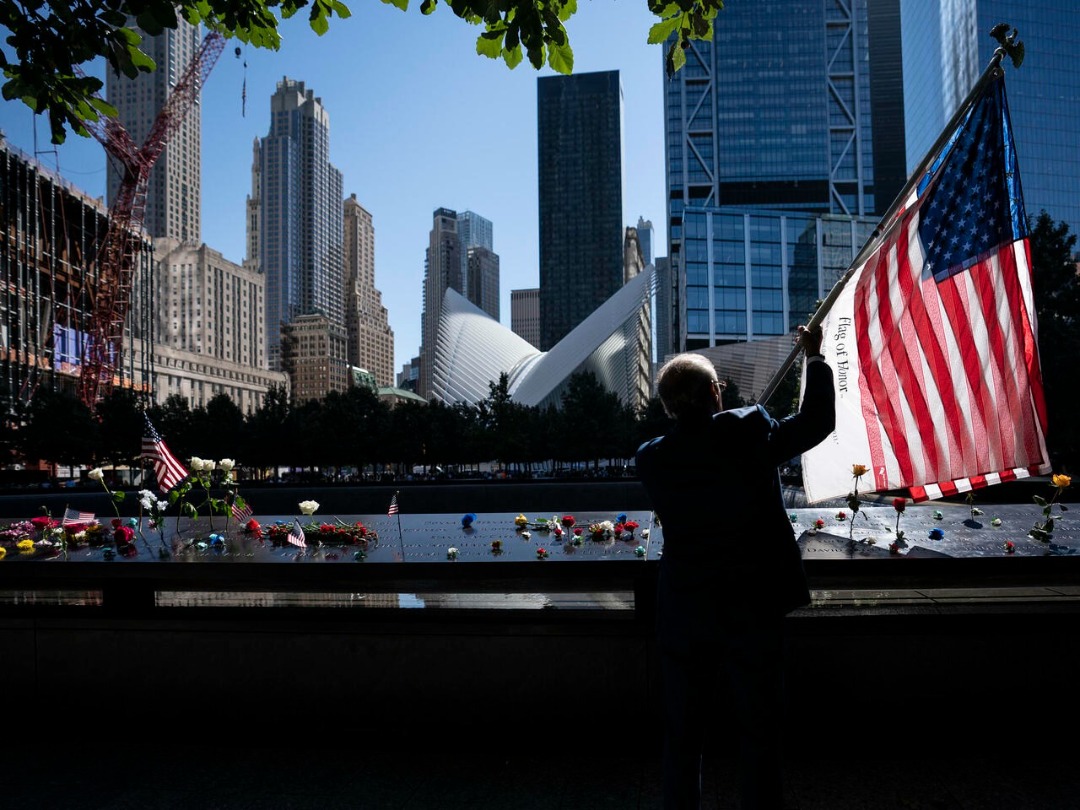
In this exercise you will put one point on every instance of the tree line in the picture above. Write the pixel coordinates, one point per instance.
(350, 429)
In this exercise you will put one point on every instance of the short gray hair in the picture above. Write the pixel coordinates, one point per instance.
(683, 384)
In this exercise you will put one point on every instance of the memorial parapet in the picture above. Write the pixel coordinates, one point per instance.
(507, 553)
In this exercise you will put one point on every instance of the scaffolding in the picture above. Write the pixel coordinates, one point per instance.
(50, 242)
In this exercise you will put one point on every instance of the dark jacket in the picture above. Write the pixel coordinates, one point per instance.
(714, 484)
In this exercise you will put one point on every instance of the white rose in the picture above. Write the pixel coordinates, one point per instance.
(226, 464)
(308, 507)
(208, 465)
(162, 505)
(97, 474)
(196, 464)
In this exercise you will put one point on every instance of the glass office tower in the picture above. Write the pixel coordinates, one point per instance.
(946, 47)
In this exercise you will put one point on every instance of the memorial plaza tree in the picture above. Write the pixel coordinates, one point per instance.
(48, 42)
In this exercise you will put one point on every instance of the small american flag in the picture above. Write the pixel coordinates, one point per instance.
(74, 516)
(393, 510)
(242, 514)
(296, 536)
(168, 470)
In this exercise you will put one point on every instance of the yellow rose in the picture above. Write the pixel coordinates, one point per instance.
(1061, 481)
(3, 552)
(25, 544)
(859, 470)
(521, 520)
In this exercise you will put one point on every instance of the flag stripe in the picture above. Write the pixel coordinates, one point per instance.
(938, 381)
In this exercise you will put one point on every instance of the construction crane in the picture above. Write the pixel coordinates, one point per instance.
(110, 295)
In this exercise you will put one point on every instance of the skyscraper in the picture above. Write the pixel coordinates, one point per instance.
(370, 338)
(444, 268)
(580, 183)
(300, 223)
(459, 257)
(947, 45)
(773, 115)
(174, 193)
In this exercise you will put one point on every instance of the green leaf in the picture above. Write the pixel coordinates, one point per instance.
(490, 44)
(428, 6)
(118, 497)
(1049, 526)
(402, 4)
(561, 59)
(662, 30)
(1041, 501)
(512, 56)
(568, 10)
(676, 58)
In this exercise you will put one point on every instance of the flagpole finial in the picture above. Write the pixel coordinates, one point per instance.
(1008, 43)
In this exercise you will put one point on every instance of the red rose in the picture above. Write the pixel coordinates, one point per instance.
(252, 525)
(123, 534)
(127, 549)
(42, 522)
(819, 523)
(116, 523)
(74, 528)
(568, 521)
(630, 525)
(619, 528)
(899, 504)
(577, 531)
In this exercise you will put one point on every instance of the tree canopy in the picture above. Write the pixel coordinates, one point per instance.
(49, 40)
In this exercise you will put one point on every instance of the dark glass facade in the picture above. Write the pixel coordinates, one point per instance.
(580, 198)
(947, 46)
(769, 129)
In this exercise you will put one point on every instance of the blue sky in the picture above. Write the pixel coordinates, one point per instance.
(418, 121)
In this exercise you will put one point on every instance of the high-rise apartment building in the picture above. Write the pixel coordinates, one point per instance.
(774, 114)
(645, 239)
(579, 142)
(459, 257)
(370, 338)
(947, 45)
(174, 193)
(298, 194)
(444, 268)
(482, 279)
(525, 314)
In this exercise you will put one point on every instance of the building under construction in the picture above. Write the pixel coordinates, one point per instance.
(50, 239)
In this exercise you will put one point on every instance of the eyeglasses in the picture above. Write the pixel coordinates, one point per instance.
(721, 384)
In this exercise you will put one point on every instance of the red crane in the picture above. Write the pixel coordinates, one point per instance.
(110, 295)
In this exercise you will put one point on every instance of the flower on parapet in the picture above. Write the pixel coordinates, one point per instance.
(621, 517)
(568, 521)
(841, 515)
(640, 551)
(976, 511)
(26, 544)
(521, 521)
(819, 523)
(578, 531)
(226, 465)
(793, 517)
(496, 546)
(3, 552)
(859, 470)
(1061, 481)
(645, 534)
(995, 522)
(558, 532)
(308, 507)
(123, 534)
(216, 540)
(631, 526)
(467, 520)
(938, 515)
(43, 522)
(196, 464)
(541, 553)
(936, 534)
(1010, 547)
(526, 535)
(899, 504)
(894, 548)
(451, 553)
(96, 474)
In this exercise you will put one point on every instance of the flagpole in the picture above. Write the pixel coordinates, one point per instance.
(993, 70)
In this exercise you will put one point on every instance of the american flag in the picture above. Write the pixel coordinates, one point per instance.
(241, 513)
(933, 340)
(296, 536)
(75, 516)
(393, 510)
(168, 470)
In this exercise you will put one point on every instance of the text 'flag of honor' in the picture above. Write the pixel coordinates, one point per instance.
(933, 338)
